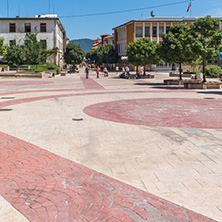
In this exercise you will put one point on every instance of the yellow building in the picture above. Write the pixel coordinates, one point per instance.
(151, 28)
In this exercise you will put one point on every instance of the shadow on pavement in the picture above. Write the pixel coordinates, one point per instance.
(159, 86)
(2, 110)
(212, 92)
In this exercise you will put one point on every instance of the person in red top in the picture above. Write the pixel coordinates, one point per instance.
(97, 72)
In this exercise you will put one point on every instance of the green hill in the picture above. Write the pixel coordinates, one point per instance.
(86, 44)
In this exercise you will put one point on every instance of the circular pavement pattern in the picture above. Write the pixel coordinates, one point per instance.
(161, 112)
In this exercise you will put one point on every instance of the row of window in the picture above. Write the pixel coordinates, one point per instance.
(27, 27)
(139, 31)
(42, 42)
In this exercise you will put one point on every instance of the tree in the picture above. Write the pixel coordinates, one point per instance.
(3, 48)
(175, 47)
(16, 55)
(107, 54)
(146, 52)
(208, 40)
(104, 54)
(74, 54)
(35, 53)
(93, 56)
(133, 54)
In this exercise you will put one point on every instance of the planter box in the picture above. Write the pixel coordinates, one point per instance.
(178, 75)
(173, 82)
(207, 85)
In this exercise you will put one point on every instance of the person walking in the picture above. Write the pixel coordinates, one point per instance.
(117, 70)
(87, 71)
(97, 72)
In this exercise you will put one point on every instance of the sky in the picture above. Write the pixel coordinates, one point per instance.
(94, 26)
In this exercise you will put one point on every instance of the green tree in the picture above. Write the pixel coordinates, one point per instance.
(35, 53)
(146, 52)
(133, 54)
(3, 48)
(107, 54)
(16, 55)
(208, 40)
(93, 56)
(74, 54)
(175, 47)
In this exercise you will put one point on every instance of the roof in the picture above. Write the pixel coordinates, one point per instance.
(165, 19)
(104, 35)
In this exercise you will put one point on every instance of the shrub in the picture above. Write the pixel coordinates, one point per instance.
(192, 72)
(213, 71)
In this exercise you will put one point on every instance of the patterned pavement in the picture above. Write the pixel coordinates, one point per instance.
(44, 186)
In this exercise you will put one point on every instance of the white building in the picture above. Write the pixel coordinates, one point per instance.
(49, 31)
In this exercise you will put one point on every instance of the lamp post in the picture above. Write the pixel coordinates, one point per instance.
(124, 58)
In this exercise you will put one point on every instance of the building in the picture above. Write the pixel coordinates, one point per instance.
(151, 28)
(49, 31)
(105, 39)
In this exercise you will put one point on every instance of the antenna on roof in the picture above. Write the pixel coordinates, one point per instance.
(151, 13)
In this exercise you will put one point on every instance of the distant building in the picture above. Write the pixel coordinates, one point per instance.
(49, 31)
(105, 39)
(151, 28)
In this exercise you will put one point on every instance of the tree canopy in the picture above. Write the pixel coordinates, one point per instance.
(207, 40)
(16, 55)
(3, 48)
(35, 53)
(74, 54)
(145, 52)
(103, 54)
(175, 47)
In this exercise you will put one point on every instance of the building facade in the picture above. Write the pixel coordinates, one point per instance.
(50, 32)
(151, 28)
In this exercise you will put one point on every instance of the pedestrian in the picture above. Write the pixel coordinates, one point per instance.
(123, 70)
(97, 72)
(127, 69)
(117, 70)
(105, 72)
(141, 70)
(87, 71)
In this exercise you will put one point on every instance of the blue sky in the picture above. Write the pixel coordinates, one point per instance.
(94, 26)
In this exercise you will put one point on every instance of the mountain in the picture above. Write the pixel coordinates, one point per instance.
(86, 44)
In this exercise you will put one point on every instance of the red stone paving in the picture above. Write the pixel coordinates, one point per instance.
(161, 112)
(91, 84)
(46, 187)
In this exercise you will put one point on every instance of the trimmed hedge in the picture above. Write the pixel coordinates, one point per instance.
(42, 67)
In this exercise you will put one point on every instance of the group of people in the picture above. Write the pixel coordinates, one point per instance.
(87, 68)
(125, 70)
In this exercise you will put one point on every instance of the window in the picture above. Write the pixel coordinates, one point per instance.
(139, 31)
(161, 30)
(12, 27)
(147, 31)
(12, 42)
(154, 31)
(27, 27)
(43, 43)
(167, 29)
(42, 27)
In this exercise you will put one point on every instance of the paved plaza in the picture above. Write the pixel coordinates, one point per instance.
(109, 149)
